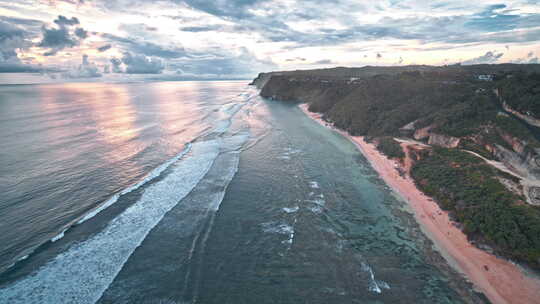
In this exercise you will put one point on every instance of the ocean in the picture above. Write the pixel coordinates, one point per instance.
(197, 192)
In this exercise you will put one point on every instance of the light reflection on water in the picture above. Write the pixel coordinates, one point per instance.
(69, 147)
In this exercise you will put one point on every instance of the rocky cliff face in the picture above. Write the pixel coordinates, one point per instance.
(261, 80)
(525, 163)
(443, 140)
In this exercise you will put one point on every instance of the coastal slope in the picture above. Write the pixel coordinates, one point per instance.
(458, 143)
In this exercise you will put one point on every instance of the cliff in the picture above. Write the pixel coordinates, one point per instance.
(453, 113)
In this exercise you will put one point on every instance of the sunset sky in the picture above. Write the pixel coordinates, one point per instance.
(96, 39)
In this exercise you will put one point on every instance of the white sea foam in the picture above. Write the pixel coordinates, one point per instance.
(291, 210)
(317, 201)
(374, 285)
(290, 240)
(22, 258)
(276, 227)
(59, 236)
(314, 185)
(315, 209)
(280, 228)
(225, 121)
(150, 176)
(83, 272)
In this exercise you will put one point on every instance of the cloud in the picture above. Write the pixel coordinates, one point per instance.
(244, 64)
(296, 59)
(116, 65)
(140, 64)
(13, 38)
(488, 57)
(324, 61)
(228, 9)
(81, 33)
(491, 19)
(201, 37)
(86, 69)
(63, 21)
(205, 28)
(57, 39)
(104, 48)
(136, 28)
(147, 48)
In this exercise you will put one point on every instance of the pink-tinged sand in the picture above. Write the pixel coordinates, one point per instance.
(503, 282)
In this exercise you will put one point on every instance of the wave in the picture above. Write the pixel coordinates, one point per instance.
(374, 285)
(59, 236)
(83, 272)
(150, 176)
(109, 202)
(291, 210)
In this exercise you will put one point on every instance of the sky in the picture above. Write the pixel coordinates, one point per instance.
(225, 39)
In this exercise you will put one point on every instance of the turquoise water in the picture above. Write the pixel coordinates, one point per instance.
(259, 204)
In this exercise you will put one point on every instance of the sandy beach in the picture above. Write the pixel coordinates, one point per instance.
(500, 280)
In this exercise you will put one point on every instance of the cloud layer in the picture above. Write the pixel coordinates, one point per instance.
(238, 38)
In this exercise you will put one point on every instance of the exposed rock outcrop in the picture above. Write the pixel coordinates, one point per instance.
(443, 140)
(408, 129)
(422, 133)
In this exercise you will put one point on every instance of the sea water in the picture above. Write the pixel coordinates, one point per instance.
(196, 192)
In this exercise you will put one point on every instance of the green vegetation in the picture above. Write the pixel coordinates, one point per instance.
(469, 189)
(390, 147)
(465, 118)
(451, 101)
(516, 129)
(522, 92)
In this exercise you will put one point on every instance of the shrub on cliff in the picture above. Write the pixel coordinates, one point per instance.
(470, 190)
(390, 147)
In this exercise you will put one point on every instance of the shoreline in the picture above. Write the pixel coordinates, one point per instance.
(501, 282)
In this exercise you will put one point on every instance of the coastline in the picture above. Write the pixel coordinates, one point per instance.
(500, 280)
